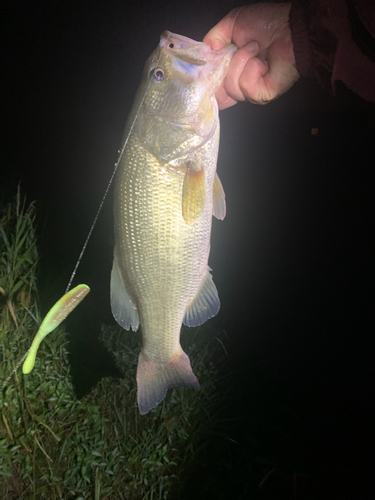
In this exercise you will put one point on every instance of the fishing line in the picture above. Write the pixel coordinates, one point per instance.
(106, 191)
(5, 383)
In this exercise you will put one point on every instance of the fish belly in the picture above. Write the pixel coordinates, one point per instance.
(162, 261)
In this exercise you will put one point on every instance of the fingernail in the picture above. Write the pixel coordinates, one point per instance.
(252, 46)
(215, 43)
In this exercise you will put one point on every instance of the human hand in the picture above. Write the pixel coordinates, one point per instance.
(263, 67)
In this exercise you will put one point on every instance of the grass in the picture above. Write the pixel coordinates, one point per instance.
(235, 438)
(53, 445)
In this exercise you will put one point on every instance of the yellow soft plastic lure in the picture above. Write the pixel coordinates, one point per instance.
(54, 317)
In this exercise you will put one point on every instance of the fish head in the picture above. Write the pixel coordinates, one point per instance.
(179, 111)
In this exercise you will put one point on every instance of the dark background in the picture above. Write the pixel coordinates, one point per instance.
(293, 260)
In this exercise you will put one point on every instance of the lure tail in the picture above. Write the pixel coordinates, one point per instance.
(55, 316)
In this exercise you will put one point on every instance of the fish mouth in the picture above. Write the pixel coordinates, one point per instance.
(194, 59)
(187, 50)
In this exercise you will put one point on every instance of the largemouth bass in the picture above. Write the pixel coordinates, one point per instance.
(166, 192)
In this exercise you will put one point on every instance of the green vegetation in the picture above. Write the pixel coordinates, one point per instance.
(53, 445)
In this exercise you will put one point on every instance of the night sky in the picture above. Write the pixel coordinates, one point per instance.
(293, 259)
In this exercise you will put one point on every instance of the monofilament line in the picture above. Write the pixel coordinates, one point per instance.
(106, 192)
(5, 383)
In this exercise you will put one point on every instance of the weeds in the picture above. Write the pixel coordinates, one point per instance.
(53, 445)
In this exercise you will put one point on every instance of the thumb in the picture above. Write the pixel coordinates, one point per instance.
(221, 34)
(252, 47)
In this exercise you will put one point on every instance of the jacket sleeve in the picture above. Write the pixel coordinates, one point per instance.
(334, 41)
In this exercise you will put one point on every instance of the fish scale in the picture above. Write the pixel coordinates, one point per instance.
(163, 212)
(163, 247)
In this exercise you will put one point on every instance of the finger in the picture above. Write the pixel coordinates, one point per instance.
(254, 82)
(224, 101)
(221, 34)
(262, 81)
(240, 60)
(260, 85)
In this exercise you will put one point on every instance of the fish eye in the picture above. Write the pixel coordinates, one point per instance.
(171, 45)
(158, 74)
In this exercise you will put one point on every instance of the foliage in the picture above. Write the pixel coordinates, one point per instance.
(18, 261)
(53, 445)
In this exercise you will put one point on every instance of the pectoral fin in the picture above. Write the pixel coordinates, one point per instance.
(218, 206)
(123, 308)
(205, 305)
(193, 193)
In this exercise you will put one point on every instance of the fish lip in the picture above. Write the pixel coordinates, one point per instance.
(168, 37)
(198, 54)
(204, 52)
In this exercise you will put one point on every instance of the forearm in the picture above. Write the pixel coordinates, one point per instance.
(334, 41)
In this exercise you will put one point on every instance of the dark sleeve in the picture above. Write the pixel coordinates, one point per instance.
(334, 40)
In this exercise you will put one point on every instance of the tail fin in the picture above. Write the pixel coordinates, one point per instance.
(154, 379)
